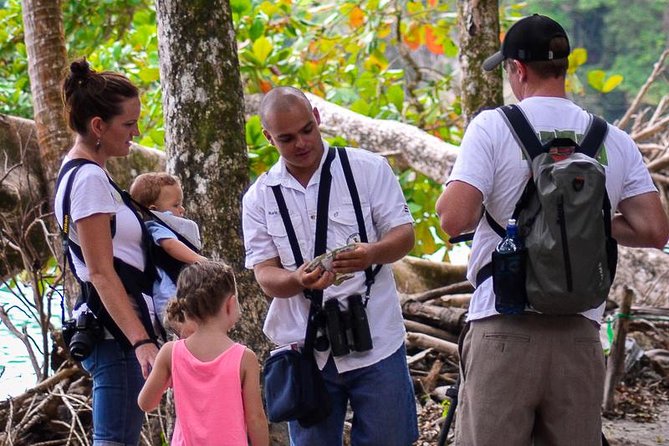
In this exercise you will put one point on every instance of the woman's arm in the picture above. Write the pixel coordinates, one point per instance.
(96, 243)
(254, 414)
(158, 380)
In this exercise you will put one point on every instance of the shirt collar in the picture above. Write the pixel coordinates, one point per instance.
(278, 173)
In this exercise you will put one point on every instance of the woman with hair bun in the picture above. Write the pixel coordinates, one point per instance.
(106, 252)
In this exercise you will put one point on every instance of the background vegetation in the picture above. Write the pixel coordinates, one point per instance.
(387, 59)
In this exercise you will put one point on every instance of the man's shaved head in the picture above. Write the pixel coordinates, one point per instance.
(281, 100)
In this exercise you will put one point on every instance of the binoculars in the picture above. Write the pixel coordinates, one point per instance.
(347, 330)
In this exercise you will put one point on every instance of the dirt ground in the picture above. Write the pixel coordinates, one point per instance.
(626, 432)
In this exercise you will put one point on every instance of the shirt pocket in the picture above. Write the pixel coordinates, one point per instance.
(277, 231)
(344, 225)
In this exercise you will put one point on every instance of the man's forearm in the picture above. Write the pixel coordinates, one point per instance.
(394, 245)
(276, 281)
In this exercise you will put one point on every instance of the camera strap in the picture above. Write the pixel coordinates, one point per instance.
(320, 244)
(370, 274)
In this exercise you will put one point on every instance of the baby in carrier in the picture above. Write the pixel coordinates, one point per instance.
(176, 239)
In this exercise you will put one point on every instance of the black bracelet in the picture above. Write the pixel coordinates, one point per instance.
(143, 342)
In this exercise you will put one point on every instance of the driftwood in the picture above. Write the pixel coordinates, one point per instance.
(425, 341)
(417, 327)
(449, 319)
(454, 300)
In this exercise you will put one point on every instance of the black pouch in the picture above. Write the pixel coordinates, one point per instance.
(508, 276)
(294, 389)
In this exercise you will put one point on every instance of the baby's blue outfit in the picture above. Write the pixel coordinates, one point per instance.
(163, 288)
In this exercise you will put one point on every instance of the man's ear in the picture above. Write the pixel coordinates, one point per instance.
(268, 136)
(317, 115)
(522, 70)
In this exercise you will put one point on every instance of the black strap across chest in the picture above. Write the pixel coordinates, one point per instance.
(136, 282)
(320, 243)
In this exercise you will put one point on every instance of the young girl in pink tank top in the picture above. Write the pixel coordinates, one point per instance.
(216, 381)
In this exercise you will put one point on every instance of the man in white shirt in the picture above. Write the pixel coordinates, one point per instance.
(290, 123)
(534, 377)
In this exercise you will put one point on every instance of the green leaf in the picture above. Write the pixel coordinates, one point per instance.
(396, 96)
(596, 79)
(149, 74)
(257, 29)
(241, 7)
(360, 106)
(262, 48)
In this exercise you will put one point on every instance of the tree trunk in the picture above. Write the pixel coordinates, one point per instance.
(205, 140)
(47, 61)
(479, 38)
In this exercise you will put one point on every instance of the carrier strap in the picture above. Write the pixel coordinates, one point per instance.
(134, 281)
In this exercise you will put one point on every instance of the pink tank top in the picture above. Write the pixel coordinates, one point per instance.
(208, 398)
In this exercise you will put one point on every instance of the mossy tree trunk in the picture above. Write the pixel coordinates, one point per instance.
(203, 104)
(479, 38)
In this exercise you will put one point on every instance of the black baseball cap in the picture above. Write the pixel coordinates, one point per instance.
(529, 40)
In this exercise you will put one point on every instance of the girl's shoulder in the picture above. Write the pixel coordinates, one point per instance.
(249, 360)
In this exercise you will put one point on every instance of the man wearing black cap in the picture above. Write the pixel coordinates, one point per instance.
(532, 378)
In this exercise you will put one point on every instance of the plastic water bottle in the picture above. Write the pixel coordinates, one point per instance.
(510, 243)
(509, 275)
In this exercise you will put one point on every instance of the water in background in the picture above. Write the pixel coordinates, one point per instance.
(16, 371)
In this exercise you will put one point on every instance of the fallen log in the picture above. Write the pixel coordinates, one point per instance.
(419, 340)
(453, 300)
(449, 319)
(417, 327)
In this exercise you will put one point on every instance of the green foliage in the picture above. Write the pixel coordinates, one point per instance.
(15, 95)
(121, 36)
(620, 40)
(363, 56)
(386, 59)
(112, 35)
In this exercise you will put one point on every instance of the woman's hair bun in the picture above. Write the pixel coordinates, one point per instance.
(80, 69)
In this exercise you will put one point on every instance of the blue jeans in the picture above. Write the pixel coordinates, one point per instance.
(383, 404)
(117, 380)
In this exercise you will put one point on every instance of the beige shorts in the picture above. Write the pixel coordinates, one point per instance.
(531, 379)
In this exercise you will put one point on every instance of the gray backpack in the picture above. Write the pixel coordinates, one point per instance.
(564, 217)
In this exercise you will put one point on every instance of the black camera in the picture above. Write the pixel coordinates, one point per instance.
(347, 330)
(81, 335)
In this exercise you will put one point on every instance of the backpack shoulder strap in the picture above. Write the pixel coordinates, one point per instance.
(594, 136)
(522, 130)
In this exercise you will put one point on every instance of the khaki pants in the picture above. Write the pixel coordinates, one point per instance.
(531, 379)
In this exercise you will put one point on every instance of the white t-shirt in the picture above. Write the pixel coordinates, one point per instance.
(491, 160)
(383, 208)
(92, 194)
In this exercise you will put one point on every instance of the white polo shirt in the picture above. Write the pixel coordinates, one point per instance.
(383, 208)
